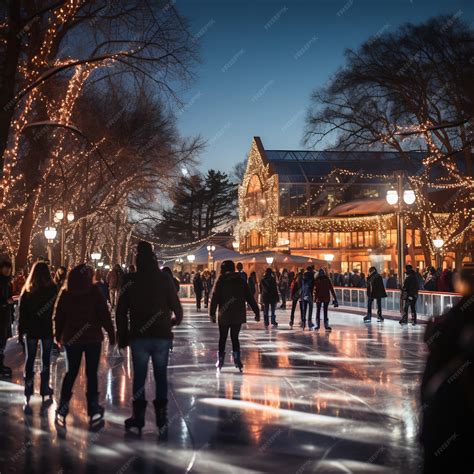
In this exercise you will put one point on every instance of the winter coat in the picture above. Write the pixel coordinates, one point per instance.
(269, 290)
(198, 285)
(445, 281)
(392, 283)
(323, 289)
(295, 290)
(307, 286)
(410, 286)
(80, 315)
(231, 293)
(207, 284)
(375, 287)
(243, 275)
(146, 303)
(430, 283)
(114, 279)
(6, 308)
(104, 289)
(447, 391)
(36, 313)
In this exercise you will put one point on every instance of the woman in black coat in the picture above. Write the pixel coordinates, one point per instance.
(231, 293)
(375, 291)
(35, 325)
(270, 296)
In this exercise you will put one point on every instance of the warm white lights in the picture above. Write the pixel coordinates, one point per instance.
(329, 257)
(392, 197)
(96, 255)
(409, 196)
(191, 258)
(438, 242)
(50, 233)
(269, 260)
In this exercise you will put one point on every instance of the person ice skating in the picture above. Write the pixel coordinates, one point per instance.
(283, 287)
(375, 291)
(295, 295)
(144, 320)
(206, 282)
(6, 307)
(198, 286)
(240, 270)
(307, 290)
(114, 281)
(35, 325)
(270, 298)
(409, 295)
(323, 290)
(230, 295)
(447, 388)
(253, 285)
(79, 316)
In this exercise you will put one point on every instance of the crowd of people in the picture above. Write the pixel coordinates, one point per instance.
(73, 310)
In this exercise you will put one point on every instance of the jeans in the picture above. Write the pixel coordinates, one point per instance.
(266, 307)
(369, 306)
(31, 347)
(156, 349)
(412, 305)
(293, 308)
(73, 355)
(325, 305)
(198, 299)
(234, 335)
(283, 299)
(307, 305)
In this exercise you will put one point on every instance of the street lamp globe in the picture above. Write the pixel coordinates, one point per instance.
(191, 258)
(107, 267)
(392, 197)
(438, 242)
(50, 233)
(70, 216)
(329, 257)
(211, 248)
(59, 215)
(100, 264)
(96, 255)
(409, 196)
(236, 245)
(269, 260)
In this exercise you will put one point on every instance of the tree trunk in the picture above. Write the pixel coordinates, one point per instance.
(26, 228)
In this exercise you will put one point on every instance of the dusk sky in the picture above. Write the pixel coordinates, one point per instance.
(262, 59)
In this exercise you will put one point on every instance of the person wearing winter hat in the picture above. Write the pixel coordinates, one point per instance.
(144, 318)
(230, 295)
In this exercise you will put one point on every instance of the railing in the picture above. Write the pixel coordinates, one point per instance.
(428, 303)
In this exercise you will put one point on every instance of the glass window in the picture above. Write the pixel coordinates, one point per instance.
(284, 194)
(298, 200)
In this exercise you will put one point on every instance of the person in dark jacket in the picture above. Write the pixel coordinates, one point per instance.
(230, 295)
(431, 280)
(175, 280)
(35, 325)
(240, 270)
(323, 290)
(307, 290)
(270, 297)
(409, 295)
(207, 285)
(99, 281)
(375, 291)
(295, 295)
(392, 283)
(6, 309)
(253, 285)
(283, 285)
(445, 281)
(447, 388)
(198, 289)
(79, 316)
(144, 320)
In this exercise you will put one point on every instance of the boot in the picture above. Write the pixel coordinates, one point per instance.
(45, 389)
(94, 410)
(237, 362)
(318, 324)
(161, 412)
(380, 318)
(303, 323)
(137, 420)
(5, 372)
(62, 411)
(310, 324)
(414, 320)
(404, 319)
(367, 319)
(29, 387)
(220, 360)
(326, 325)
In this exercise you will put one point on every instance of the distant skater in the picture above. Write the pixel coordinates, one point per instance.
(323, 290)
(270, 297)
(375, 292)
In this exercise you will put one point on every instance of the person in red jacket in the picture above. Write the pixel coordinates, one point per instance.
(80, 314)
(323, 290)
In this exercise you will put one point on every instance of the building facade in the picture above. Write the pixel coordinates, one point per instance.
(329, 205)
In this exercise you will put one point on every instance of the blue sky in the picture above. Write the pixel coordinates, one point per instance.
(261, 59)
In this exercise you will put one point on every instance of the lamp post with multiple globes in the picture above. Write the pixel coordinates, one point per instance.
(438, 244)
(396, 197)
(210, 257)
(63, 219)
(95, 256)
(50, 233)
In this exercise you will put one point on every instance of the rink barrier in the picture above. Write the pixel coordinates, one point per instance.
(428, 303)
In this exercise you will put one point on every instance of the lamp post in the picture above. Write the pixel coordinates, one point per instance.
(394, 198)
(191, 259)
(210, 258)
(438, 244)
(95, 257)
(50, 233)
(329, 257)
(63, 219)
